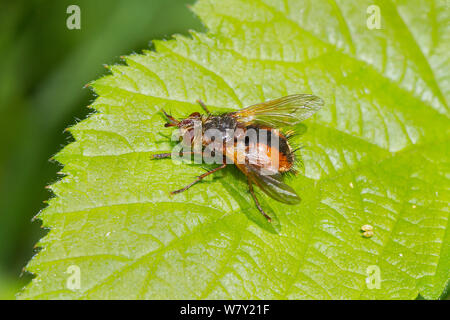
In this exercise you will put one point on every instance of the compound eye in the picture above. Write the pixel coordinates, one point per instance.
(195, 115)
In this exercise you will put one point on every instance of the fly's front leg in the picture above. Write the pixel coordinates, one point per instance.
(250, 186)
(199, 179)
(203, 105)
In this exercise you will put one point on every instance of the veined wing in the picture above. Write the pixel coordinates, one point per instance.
(281, 112)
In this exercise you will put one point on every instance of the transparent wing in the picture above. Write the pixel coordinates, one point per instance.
(281, 112)
(272, 185)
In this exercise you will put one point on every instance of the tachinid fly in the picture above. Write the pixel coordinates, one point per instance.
(254, 157)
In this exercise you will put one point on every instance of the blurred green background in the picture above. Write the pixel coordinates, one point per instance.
(43, 68)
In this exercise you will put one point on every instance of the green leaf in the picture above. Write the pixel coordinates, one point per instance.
(377, 153)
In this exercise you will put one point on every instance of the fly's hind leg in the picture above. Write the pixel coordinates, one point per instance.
(203, 105)
(199, 179)
(250, 186)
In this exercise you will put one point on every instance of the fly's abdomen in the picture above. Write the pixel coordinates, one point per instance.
(267, 150)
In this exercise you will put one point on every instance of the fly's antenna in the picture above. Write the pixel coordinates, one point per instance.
(172, 121)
